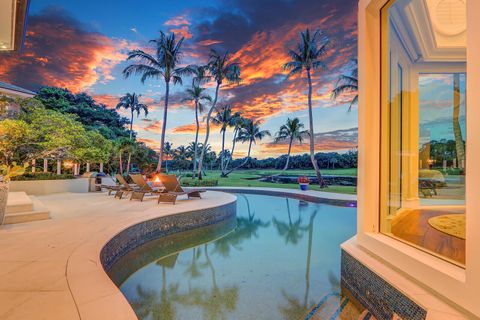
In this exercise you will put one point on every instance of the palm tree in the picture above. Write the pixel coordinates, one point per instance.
(223, 118)
(130, 102)
(163, 64)
(250, 133)
(197, 95)
(125, 145)
(311, 50)
(348, 83)
(238, 123)
(169, 152)
(200, 75)
(221, 69)
(291, 131)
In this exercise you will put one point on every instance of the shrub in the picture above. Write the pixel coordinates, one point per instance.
(206, 182)
(42, 176)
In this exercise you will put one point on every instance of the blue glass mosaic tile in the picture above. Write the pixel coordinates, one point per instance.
(375, 294)
(143, 232)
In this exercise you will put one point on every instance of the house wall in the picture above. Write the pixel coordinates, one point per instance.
(451, 283)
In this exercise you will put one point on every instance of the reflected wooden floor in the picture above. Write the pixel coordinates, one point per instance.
(413, 227)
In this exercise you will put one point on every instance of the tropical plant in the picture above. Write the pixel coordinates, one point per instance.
(197, 95)
(250, 133)
(131, 102)
(224, 118)
(199, 75)
(168, 152)
(125, 145)
(92, 115)
(290, 131)
(221, 69)
(163, 64)
(308, 57)
(8, 172)
(348, 83)
(14, 134)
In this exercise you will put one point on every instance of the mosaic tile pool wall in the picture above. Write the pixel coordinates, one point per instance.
(375, 294)
(149, 230)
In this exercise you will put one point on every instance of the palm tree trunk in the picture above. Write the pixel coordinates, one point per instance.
(312, 135)
(244, 161)
(120, 161)
(164, 127)
(231, 154)
(207, 133)
(195, 151)
(309, 257)
(131, 125)
(222, 159)
(128, 162)
(457, 130)
(288, 154)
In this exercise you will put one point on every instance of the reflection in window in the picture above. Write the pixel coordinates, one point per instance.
(423, 119)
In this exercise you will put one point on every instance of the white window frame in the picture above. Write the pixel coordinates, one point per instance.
(457, 284)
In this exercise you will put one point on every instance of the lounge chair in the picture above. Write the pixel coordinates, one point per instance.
(111, 188)
(173, 189)
(143, 188)
(125, 187)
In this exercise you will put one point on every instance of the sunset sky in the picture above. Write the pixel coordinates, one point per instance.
(82, 45)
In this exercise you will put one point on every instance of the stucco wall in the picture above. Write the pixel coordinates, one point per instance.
(42, 187)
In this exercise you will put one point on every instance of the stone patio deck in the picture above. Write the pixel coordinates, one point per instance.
(51, 269)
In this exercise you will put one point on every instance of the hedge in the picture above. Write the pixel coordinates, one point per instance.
(206, 182)
(42, 176)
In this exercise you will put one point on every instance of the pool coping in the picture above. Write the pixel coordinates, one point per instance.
(331, 198)
(95, 294)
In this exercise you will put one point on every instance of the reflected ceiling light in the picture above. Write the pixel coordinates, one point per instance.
(450, 17)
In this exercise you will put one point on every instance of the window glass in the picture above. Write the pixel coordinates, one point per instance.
(423, 129)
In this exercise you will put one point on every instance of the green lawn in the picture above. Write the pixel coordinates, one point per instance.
(245, 178)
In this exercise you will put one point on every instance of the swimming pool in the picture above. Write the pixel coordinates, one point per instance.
(278, 260)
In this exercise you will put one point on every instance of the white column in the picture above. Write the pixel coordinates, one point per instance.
(101, 167)
(59, 166)
(34, 162)
(88, 166)
(45, 165)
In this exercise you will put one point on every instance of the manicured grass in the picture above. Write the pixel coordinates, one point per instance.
(246, 178)
(338, 172)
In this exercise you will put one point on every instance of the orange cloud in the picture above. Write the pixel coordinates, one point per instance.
(155, 127)
(182, 31)
(180, 26)
(177, 21)
(154, 144)
(191, 128)
(209, 42)
(69, 57)
(107, 99)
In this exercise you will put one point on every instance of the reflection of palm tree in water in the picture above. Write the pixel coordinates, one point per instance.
(160, 307)
(247, 227)
(291, 231)
(217, 302)
(294, 308)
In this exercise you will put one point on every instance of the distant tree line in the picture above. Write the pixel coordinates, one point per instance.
(181, 161)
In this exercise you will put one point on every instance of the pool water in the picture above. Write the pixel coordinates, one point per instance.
(279, 261)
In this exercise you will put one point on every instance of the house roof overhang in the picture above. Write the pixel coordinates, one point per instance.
(13, 18)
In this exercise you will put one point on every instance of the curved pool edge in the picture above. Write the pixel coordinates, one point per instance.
(336, 199)
(94, 293)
